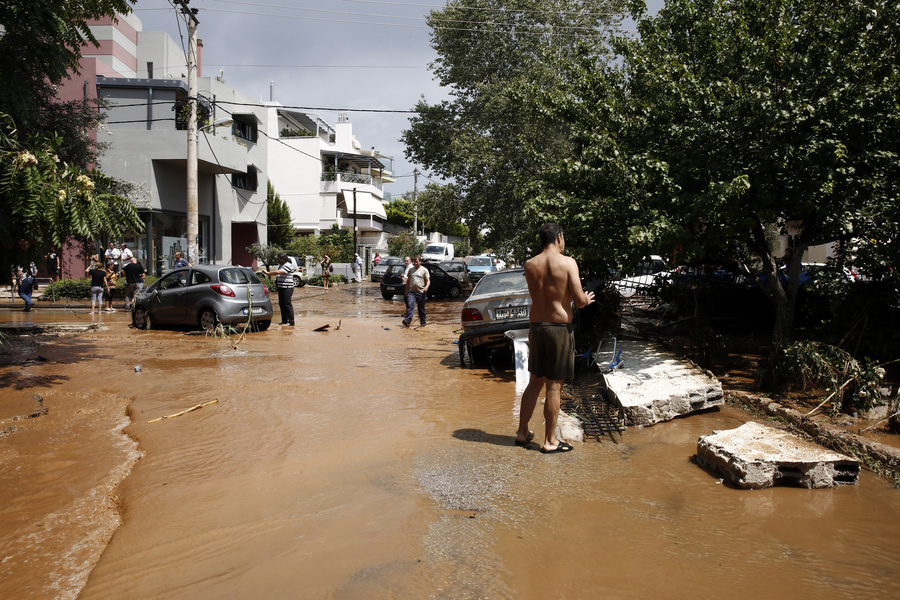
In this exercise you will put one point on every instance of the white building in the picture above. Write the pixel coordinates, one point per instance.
(324, 175)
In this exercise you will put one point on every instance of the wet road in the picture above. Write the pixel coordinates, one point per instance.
(363, 462)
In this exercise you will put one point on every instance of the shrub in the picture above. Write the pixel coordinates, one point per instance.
(80, 289)
(852, 385)
(316, 280)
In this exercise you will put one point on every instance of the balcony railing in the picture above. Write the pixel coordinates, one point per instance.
(352, 178)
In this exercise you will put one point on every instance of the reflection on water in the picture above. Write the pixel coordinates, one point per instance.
(365, 463)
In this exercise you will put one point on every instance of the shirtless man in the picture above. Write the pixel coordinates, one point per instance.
(554, 284)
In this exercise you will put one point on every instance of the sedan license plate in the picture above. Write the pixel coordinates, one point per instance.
(257, 310)
(393, 288)
(513, 312)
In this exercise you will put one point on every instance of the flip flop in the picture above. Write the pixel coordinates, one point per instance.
(561, 447)
(522, 443)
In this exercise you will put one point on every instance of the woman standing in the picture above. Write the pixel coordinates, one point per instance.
(326, 271)
(110, 286)
(98, 282)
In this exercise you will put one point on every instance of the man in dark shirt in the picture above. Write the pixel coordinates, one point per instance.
(134, 281)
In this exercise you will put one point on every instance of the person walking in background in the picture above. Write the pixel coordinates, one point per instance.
(98, 283)
(417, 284)
(357, 267)
(25, 286)
(377, 259)
(180, 261)
(284, 281)
(409, 266)
(134, 281)
(326, 271)
(109, 286)
(554, 283)
(53, 265)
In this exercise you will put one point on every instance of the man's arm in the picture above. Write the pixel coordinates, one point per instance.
(579, 296)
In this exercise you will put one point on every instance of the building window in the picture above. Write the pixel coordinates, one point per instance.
(244, 128)
(245, 181)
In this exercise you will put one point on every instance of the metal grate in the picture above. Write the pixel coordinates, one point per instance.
(586, 399)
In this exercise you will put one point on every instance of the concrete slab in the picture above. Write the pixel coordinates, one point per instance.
(755, 456)
(652, 386)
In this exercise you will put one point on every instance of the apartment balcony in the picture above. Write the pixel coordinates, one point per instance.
(337, 182)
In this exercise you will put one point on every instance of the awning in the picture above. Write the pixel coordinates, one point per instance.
(366, 204)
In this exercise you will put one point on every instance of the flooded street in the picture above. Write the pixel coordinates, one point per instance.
(363, 462)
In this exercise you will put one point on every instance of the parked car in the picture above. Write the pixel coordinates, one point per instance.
(457, 269)
(647, 274)
(295, 262)
(204, 295)
(437, 252)
(499, 303)
(442, 284)
(479, 265)
(379, 269)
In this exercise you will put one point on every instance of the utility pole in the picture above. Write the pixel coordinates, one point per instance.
(355, 247)
(193, 219)
(415, 202)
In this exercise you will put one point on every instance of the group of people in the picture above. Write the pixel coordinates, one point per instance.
(120, 262)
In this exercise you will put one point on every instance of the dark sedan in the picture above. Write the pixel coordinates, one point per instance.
(204, 296)
(442, 284)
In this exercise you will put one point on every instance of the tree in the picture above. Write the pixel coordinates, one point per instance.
(479, 139)
(48, 193)
(405, 243)
(280, 224)
(724, 119)
(338, 244)
(41, 45)
(44, 202)
(400, 211)
(770, 112)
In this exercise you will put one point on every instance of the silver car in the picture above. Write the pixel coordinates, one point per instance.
(204, 296)
(499, 303)
(379, 269)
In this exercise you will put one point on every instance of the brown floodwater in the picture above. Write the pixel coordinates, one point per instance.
(363, 462)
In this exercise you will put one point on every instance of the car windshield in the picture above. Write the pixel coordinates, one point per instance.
(504, 282)
(434, 250)
(480, 262)
(452, 267)
(395, 270)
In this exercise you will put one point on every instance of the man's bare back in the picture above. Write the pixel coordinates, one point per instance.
(554, 282)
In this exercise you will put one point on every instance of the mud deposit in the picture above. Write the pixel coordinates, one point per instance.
(363, 462)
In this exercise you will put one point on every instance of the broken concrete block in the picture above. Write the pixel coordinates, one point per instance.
(652, 385)
(755, 456)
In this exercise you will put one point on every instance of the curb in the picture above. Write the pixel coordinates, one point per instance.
(880, 458)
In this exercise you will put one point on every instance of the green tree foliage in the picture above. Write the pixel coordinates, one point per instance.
(400, 211)
(280, 224)
(338, 244)
(47, 192)
(44, 202)
(730, 116)
(722, 119)
(478, 138)
(405, 243)
(41, 43)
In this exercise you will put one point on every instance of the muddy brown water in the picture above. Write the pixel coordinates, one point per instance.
(363, 462)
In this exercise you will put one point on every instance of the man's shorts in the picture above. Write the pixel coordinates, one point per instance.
(551, 350)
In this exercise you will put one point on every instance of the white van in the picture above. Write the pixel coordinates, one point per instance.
(436, 252)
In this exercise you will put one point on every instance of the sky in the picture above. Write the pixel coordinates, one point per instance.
(366, 58)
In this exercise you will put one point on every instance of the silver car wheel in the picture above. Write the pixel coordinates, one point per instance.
(208, 319)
